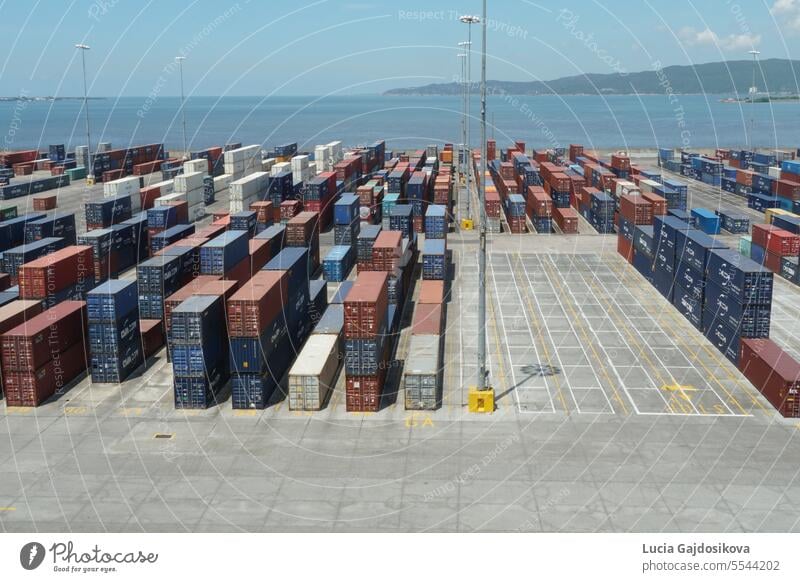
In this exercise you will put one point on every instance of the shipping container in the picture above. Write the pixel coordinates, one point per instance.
(775, 373)
(313, 376)
(223, 253)
(434, 260)
(422, 381)
(365, 306)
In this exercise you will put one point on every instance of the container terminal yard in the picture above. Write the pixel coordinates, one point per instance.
(265, 339)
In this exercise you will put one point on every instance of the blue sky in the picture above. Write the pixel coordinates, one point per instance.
(256, 47)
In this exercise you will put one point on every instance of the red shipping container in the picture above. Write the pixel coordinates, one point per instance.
(57, 170)
(773, 372)
(152, 333)
(786, 189)
(783, 243)
(491, 149)
(240, 273)
(539, 203)
(427, 319)
(658, 202)
(148, 195)
(18, 157)
(260, 254)
(219, 216)
(302, 229)
(17, 312)
(290, 208)
(55, 272)
(492, 204)
(257, 303)
(620, 161)
(431, 292)
(517, 224)
(625, 248)
(32, 387)
(209, 232)
(263, 211)
(744, 177)
(636, 209)
(566, 219)
(182, 294)
(22, 169)
(559, 181)
(772, 262)
(32, 343)
(386, 250)
(365, 305)
(44, 202)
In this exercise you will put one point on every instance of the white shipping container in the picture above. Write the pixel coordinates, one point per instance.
(123, 187)
(299, 162)
(197, 212)
(280, 167)
(175, 196)
(774, 172)
(266, 165)
(199, 165)
(250, 186)
(647, 186)
(243, 154)
(313, 375)
(189, 182)
(423, 373)
(336, 151)
(166, 187)
(625, 187)
(222, 182)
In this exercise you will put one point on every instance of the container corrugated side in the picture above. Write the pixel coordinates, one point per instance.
(313, 375)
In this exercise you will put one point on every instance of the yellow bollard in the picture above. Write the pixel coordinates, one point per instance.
(481, 401)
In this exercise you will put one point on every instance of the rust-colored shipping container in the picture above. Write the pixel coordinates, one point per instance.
(431, 291)
(636, 209)
(17, 312)
(428, 319)
(566, 219)
(775, 373)
(219, 216)
(559, 181)
(776, 240)
(658, 203)
(365, 305)
(148, 195)
(259, 301)
(263, 210)
(386, 250)
(744, 177)
(152, 332)
(32, 343)
(55, 272)
(32, 387)
(45, 202)
(260, 254)
(492, 204)
(239, 273)
(182, 294)
(539, 204)
(517, 224)
(181, 210)
(786, 189)
(772, 262)
(209, 232)
(290, 208)
(22, 169)
(301, 229)
(625, 248)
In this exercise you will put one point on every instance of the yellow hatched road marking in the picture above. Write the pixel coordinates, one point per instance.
(582, 327)
(133, 411)
(19, 409)
(694, 358)
(540, 333)
(244, 412)
(75, 410)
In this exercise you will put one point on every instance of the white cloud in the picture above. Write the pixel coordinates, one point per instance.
(788, 13)
(731, 42)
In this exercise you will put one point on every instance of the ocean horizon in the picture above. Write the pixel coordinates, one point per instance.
(602, 122)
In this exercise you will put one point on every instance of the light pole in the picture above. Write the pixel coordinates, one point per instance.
(752, 92)
(481, 397)
(83, 48)
(469, 21)
(183, 109)
(462, 57)
(482, 379)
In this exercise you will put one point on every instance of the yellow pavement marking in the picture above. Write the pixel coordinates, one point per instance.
(19, 409)
(244, 412)
(75, 410)
(539, 332)
(8, 508)
(416, 420)
(581, 325)
(131, 411)
(693, 358)
(680, 390)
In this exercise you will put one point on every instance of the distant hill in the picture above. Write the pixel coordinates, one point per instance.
(730, 77)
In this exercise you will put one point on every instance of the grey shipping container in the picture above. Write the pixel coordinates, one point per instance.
(423, 373)
(313, 375)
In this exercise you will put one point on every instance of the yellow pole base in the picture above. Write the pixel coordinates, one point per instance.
(467, 224)
(481, 401)
(90, 181)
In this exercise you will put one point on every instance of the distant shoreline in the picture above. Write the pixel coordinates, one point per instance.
(23, 98)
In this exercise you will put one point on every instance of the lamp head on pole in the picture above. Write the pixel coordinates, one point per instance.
(84, 47)
(468, 19)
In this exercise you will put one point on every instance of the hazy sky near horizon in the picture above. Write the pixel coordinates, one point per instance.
(318, 47)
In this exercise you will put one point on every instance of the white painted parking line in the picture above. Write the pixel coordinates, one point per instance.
(594, 333)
